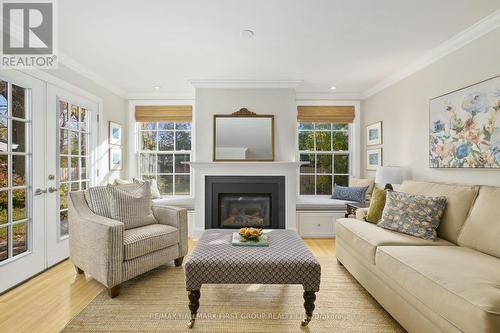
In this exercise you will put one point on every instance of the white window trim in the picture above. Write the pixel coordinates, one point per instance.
(354, 138)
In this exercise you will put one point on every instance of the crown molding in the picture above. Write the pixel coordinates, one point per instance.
(246, 84)
(74, 65)
(162, 95)
(479, 29)
(299, 96)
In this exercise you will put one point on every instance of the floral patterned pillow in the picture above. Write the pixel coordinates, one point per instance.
(411, 214)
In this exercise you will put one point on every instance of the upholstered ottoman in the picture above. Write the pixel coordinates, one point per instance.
(286, 260)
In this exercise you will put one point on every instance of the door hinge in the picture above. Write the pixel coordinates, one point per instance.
(98, 117)
(97, 172)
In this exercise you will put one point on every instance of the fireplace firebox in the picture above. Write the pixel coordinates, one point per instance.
(233, 202)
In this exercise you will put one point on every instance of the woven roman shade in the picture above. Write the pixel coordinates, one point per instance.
(326, 114)
(166, 113)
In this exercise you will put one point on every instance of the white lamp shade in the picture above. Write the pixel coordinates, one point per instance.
(389, 175)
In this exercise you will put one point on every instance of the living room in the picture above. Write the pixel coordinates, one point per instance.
(250, 166)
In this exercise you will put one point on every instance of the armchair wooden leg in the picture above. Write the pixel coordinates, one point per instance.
(78, 270)
(178, 261)
(339, 263)
(114, 291)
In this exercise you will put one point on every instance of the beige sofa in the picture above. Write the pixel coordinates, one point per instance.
(449, 285)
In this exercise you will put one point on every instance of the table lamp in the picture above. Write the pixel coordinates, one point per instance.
(389, 175)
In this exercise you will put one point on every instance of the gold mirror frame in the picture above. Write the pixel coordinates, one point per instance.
(242, 113)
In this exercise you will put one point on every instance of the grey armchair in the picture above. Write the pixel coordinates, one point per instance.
(103, 248)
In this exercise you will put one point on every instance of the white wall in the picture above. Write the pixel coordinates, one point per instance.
(278, 102)
(114, 108)
(404, 110)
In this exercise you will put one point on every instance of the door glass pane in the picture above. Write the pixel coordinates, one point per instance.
(14, 166)
(73, 117)
(74, 156)
(63, 169)
(83, 119)
(18, 170)
(18, 102)
(83, 144)
(63, 196)
(18, 136)
(4, 207)
(4, 245)
(73, 138)
(19, 205)
(63, 141)
(19, 238)
(4, 171)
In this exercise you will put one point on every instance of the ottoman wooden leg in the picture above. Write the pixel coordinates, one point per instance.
(309, 298)
(194, 304)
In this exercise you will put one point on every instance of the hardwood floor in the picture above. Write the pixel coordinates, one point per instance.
(47, 302)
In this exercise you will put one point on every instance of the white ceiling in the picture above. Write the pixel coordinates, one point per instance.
(135, 45)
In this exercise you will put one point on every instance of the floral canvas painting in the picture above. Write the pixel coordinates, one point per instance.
(465, 127)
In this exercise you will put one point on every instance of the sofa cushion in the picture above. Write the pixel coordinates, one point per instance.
(459, 284)
(459, 199)
(143, 240)
(131, 204)
(365, 237)
(413, 214)
(481, 230)
(350, 193)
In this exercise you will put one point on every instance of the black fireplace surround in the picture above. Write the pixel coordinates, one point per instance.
(232, 202)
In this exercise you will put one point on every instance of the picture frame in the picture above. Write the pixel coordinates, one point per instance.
(115, 158)
(374, 134)
(115, 134)
(374, 158)
(464, 132)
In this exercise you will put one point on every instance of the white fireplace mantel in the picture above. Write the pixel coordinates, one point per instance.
(245, 163)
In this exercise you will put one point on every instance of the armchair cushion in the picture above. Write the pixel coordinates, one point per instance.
(143, 240)
(131, 206)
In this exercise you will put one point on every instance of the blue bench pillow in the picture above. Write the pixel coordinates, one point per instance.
(352, 193)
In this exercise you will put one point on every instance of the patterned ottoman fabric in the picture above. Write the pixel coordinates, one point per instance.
(286, 260)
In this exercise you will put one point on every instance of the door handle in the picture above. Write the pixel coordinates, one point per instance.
(39, 191)
(53, 189)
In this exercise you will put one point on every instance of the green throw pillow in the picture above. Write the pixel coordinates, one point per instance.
(377, 205)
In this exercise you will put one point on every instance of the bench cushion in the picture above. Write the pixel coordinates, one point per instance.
(365, 237)
(459, 284)
(143, 240)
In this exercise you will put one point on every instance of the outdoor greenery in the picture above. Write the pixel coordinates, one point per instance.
(161, 144)
(326, 147)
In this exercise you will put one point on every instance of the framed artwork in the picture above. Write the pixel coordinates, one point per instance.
(374, 134)
(115, 158)
(373, 158)
(115, 134)
(465, 127)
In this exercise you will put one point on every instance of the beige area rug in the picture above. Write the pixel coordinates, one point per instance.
(157, 302)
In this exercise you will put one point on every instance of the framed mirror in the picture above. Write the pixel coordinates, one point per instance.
(243, 136)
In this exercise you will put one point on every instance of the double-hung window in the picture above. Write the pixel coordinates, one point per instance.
(164, 147)
(324, 142)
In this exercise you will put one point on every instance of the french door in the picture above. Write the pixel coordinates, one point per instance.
(71, 132)
(22, 166)
(47, 140)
